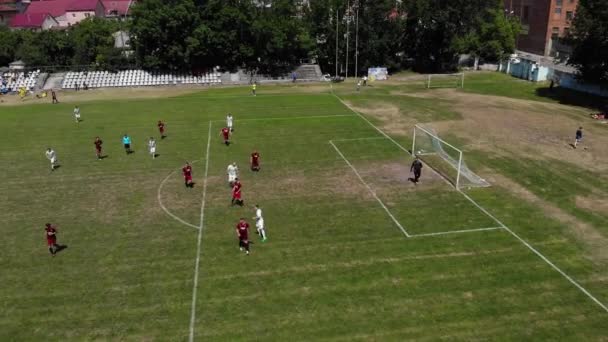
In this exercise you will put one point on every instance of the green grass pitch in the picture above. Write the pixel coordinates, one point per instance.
(336, 266)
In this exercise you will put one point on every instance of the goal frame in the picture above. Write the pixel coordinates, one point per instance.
(434, 136)
(460, 83)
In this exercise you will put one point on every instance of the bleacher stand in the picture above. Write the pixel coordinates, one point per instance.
(11, 81)
(134, 78)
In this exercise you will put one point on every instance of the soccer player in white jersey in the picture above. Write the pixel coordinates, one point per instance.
(233, 172)
(152, 147)
(77, 114)
(259, 222)
(229, 122)
(52, 157)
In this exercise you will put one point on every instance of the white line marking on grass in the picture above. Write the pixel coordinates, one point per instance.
(160, 202)
(292, 117)
(457, 231)
(356, 139)
(200, 238)
(386, 135)
(540, 255)
(572, 281)
(371, 191)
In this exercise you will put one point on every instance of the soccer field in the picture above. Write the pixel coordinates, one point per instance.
(355, 250)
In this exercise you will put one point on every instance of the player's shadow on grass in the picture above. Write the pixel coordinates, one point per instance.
(60, 248)
(56, 167)
(156, 155)
(130, 152)
(103, 157)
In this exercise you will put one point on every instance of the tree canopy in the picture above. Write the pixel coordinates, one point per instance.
(271, 36)
(589, 39)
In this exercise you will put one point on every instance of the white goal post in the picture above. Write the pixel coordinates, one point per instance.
(444, 158)
(445, 80)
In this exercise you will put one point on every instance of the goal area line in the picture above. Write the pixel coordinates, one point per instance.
(388, 211)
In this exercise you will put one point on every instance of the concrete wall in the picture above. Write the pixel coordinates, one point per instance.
(569, 81)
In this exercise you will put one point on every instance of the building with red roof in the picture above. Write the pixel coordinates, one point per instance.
(36, 21)
(117, 8)
(79, 10)
(67, 12)
(8, 9)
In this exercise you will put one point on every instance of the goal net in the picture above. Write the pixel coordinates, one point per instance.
(445, 81)
(444, 158)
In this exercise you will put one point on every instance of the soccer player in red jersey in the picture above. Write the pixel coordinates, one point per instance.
(51, 238)
(236, 193)
(187, 171)
(255, 161)
(98, 144)
(242, 232)
(161, 129)
(225, 132)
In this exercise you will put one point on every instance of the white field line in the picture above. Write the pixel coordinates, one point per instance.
(199, 241)
(357, 139)
(540, 255)
(457, 231)
(291, 118)
(387, 136)
(160, 202)
(572, 281)
(371, 191)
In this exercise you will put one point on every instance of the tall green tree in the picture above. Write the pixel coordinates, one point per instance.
(228, 39)
(381, 33)
(90, 39)
(589, 39)
(492, 37)
(279, 38)
(162, 33)
(437, 31)
(8, 43)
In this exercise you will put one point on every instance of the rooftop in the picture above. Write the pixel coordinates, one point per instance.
(29, 20)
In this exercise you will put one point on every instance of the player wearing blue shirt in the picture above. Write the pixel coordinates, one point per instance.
(126, 142)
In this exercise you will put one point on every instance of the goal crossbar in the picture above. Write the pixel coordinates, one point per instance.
(459, 82)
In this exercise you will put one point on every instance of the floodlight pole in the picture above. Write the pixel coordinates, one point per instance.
(357, 40)
(337, 27)
(347, 33)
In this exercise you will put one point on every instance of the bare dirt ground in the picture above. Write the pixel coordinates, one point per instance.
(389, 177)
(70, 96)
(535, 130)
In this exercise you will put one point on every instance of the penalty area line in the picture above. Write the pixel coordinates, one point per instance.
(292, 118)
(371, 191)
(457, 231)
(199, 241)
(482, 209)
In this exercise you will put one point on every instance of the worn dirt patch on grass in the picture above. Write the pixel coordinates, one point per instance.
(593, 203)
(334, 182)
(595, 244)
(534, 129)
(388, 178)
(390, 117)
